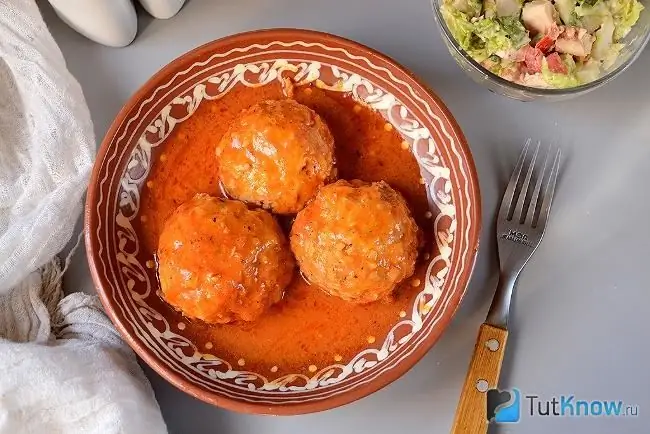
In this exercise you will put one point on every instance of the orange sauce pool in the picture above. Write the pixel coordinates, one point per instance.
(308, 328)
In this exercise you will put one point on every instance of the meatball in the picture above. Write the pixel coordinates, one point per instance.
(277, 154)
(356, 240)
(220, 262)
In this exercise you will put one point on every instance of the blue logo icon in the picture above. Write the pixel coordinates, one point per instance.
(503, 406)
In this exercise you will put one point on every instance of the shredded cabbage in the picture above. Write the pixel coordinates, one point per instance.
(588, 71)
(604, 39)
(507, 8)
(558, 81)
(515, 31)
(566, 10)
(458, 24)
(599, 9)
(490, 8)
(471, 8)
(567, 59)
(612, 54)
(483, 37)
(626, 13)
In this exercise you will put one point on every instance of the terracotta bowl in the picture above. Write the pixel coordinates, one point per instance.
(125, 276)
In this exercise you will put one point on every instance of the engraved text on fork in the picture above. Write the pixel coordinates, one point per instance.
(517, 237)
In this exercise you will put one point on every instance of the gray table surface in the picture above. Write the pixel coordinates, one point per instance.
(581, 320)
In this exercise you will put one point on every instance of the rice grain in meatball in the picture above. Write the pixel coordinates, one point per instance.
(277, 154)
(220, 262)
(356, 240)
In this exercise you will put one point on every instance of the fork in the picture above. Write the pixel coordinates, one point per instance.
(521, 224)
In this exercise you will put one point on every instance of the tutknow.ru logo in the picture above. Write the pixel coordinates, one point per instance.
(506, 406)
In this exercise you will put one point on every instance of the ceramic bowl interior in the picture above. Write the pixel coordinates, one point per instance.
(124, 272)
(634, 43)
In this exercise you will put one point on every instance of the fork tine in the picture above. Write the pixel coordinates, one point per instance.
(538, 187)
(548, 191)
(508, 196)
(519, 209)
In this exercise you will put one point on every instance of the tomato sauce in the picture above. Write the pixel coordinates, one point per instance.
(308, 329)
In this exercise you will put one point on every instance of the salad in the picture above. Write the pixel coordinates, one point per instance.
(542, 43)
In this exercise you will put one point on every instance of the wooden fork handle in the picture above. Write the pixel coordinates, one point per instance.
(483, 374)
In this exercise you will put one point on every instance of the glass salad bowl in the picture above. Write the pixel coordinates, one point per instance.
(633, 45)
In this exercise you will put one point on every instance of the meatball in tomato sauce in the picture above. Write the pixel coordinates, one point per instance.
(356, 240)
(220, 262)
(276, 154)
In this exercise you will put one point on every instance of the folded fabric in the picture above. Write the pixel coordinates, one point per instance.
(63, 367)
(47, 144)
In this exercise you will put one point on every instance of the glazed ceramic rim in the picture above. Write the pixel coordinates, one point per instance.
(360, 391)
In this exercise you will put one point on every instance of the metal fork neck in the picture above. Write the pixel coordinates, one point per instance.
(500, 308)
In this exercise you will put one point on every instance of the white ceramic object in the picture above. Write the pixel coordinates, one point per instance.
(162, 9)
(108, 22)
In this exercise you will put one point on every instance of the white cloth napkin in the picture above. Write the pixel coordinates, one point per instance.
(63, 367)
